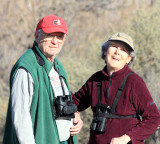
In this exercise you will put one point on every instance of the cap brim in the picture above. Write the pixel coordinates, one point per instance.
(52, 30)
(123, 42)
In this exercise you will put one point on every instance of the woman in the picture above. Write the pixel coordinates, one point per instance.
(121, 126)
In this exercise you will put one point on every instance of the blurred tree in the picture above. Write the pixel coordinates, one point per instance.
(143, 28)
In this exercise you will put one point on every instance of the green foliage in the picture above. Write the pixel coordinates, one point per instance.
(80, 68)
(145, 32)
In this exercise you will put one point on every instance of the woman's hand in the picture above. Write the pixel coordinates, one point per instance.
(78, 123)
(120, 140)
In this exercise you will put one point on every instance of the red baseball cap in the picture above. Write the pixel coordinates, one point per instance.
(51, 24)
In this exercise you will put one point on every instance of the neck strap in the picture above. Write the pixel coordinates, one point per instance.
(120, 89)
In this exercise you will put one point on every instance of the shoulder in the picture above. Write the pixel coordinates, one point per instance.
(58, 66)
(135, 78)
(27, 61)
(97, 76)
(57, 61)
(22, 75)
(136, 82)
(28, 57)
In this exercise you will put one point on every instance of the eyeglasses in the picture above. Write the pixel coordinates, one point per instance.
(50, 37)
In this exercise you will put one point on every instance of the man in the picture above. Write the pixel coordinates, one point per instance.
(115, 106)
(37, 80)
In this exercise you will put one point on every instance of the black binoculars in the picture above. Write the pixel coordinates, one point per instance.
(64, 107)
(99, 120)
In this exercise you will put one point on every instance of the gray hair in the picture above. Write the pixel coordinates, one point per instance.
(40, 33)
(105, 46)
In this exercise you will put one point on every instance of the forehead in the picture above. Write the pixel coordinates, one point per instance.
(118, 43)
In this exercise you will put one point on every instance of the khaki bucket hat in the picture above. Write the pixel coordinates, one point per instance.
(123, 38)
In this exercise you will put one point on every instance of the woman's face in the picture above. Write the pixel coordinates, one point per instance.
(117, 56)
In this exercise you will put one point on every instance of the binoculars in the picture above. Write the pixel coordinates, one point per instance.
(99, 121)
(64, 107)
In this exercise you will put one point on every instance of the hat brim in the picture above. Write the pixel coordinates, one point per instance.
(123, 42)
(52, 30)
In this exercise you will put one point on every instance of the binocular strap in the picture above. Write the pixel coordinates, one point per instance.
(115, 116)
(70, 140)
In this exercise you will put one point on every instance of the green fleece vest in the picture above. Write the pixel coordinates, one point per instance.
(44, 126)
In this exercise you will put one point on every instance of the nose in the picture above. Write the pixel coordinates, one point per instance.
(54, 40)
(117, 51)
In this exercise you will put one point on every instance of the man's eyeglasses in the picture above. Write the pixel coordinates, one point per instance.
(47, 36)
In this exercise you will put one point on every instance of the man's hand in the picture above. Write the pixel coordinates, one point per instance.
(78, 123)
(120, 140)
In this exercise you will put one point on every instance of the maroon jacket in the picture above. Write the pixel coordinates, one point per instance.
(135, 98)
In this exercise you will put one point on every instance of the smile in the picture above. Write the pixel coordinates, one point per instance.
(115, 58)
(52, 47)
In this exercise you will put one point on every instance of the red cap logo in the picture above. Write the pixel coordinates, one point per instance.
(57, 22)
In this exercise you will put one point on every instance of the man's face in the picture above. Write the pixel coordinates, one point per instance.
(117, 56)
(50, 44)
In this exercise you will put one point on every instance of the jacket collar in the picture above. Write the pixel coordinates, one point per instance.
(48, 64)
(117, 74)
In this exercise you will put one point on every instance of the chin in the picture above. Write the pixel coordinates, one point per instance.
(115, 68)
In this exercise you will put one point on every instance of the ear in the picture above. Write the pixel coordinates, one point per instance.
(64, 39)
(36, 35)
(105, 53)
(129, 59)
